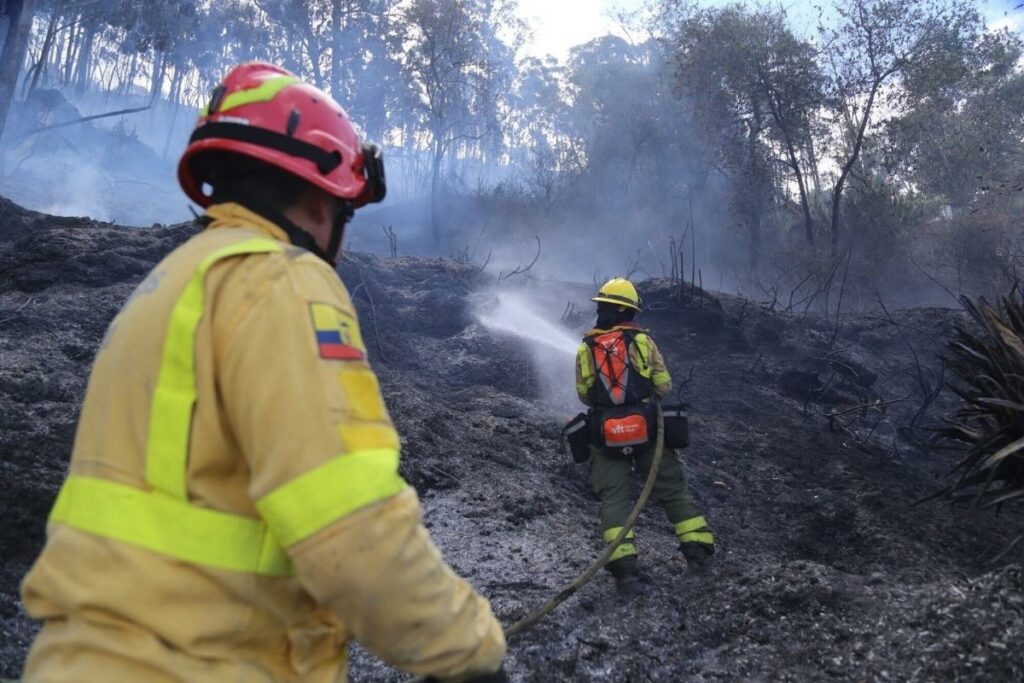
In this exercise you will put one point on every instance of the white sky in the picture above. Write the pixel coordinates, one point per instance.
(1004, 14)
(558, 25)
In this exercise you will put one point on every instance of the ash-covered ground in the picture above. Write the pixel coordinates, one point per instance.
(809, 448)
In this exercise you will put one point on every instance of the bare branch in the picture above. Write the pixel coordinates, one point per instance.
(521, 270)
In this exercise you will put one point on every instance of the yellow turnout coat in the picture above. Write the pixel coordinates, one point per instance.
(233, 509)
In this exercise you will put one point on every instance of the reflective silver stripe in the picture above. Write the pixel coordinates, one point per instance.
(572, 429)
(619, 297)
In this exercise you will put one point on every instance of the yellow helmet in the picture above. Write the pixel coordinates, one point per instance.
(619, 291)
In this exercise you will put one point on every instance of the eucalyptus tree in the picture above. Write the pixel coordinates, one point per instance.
(632, 125)
(455, 67)
(757, 88)
(963, 140)
(889, 54)
(540, 137)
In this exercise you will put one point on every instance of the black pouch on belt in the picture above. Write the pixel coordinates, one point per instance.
(677, 428)
(577, 435)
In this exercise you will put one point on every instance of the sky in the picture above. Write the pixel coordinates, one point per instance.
(558, 25)
(1005, 14)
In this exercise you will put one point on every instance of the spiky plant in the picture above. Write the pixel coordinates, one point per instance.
(988, 361)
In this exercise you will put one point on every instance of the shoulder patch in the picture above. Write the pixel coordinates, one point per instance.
(337, 332)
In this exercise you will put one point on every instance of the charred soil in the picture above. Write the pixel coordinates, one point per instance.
(809, 448)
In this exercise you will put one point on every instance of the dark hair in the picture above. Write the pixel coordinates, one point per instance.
(236, 177)
(610, 315)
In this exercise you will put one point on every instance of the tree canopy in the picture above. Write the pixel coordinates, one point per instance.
(782, 144)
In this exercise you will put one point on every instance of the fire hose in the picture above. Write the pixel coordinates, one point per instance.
(536, 615)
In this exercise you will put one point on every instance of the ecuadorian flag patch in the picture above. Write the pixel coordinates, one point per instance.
(337, 333)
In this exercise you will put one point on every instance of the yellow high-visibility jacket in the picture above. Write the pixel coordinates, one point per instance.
(233, 510)
(644, 355)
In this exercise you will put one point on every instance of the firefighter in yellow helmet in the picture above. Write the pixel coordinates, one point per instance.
(233, 509)
(619, 373)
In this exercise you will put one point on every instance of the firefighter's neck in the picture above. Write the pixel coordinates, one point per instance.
(314, 213)
(613, 324)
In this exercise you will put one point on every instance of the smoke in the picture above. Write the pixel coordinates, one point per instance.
(76, 186)
(81, 194)
(552, 346)
(119, 169)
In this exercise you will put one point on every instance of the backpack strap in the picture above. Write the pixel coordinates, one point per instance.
(639, 347)
(612, 371)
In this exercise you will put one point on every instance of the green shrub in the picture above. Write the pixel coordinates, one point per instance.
(988, 361)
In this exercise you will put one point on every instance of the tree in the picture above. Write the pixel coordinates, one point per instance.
(456, 69)
(772, 87)
(297, 20)
(964, 142)
(343, 47)
(365, 75)
(637, 139)
(37, 70)
(12, 57)
(539, 135)
(883, 43)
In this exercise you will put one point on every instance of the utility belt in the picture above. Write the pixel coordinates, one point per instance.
(626, 431)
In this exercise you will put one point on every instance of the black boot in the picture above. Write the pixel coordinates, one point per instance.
(629, 586)
(626, 573)
(698, 555)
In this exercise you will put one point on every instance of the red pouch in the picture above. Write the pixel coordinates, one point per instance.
(630, 430)
(624, 430)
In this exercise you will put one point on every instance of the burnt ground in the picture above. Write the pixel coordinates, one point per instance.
(824, 570)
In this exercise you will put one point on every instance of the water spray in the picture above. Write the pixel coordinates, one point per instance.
(514, 314)
(552, 347)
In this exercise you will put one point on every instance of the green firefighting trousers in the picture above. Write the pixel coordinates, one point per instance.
(612, 477)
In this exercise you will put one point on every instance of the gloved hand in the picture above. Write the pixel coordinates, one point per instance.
(498, 676)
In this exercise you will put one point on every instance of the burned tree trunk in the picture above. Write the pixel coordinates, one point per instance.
(782, 124)
(13, 54)
(69, 56)
(129, 80)
(159, 71)
(435, 188)
(794, 162)
(44, 55)
(336, 50)
(858, 143)
(84, 67)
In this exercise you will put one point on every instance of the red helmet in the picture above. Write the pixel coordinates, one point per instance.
(266, 112)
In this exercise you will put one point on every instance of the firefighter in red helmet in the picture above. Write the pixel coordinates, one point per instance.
(619, 372)
(233, 509)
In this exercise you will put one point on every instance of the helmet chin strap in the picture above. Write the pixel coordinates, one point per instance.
(341, 218)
